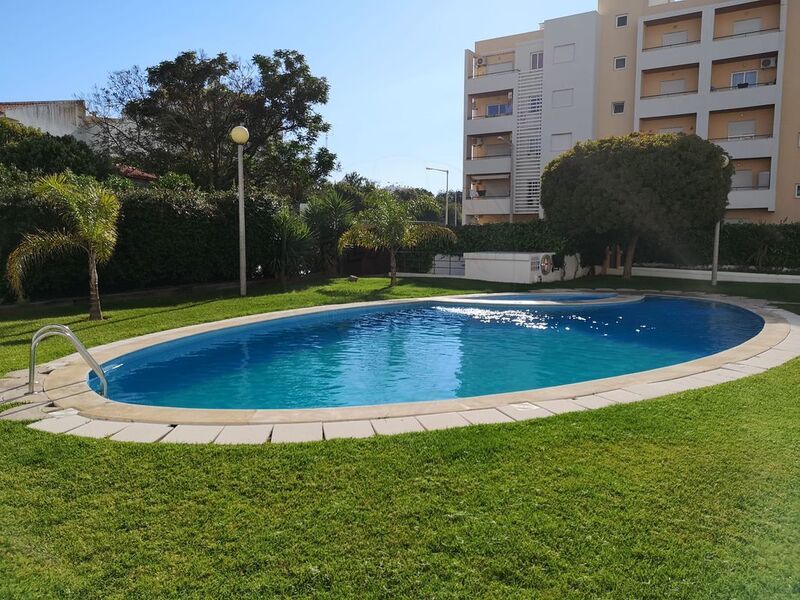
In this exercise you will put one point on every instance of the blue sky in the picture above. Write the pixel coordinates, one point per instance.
(395, 69)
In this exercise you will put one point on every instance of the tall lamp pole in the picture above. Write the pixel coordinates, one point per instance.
(446, 193)
(715, 255)
(240, 135)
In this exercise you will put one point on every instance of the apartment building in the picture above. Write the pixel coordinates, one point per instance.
(727, 71)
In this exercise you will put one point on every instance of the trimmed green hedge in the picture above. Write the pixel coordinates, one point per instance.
(761, 246)
(166, 237)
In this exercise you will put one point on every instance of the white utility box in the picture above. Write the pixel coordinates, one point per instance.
(510, 267)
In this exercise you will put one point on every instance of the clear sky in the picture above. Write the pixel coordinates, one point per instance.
(395, 69)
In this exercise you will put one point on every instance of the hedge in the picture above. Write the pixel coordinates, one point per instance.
(165, 238)
(768, 247)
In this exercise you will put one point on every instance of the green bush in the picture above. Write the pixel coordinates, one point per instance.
(503, 237)
(165, 238)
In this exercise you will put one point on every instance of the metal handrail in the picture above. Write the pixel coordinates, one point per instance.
(65, 332)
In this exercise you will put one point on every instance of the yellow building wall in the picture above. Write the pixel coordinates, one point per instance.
(718, 121)
(721, 71)
(770, 18)
(651, 82)
(653, 34)
(686, 122)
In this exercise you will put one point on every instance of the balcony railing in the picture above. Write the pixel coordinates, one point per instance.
(511, 69)
(482, 195)
(489, 156)
(741, 86)
(739, 188)
(501, 110)
(739, 138)
(675, 45)
(684, 93)
(746, 33)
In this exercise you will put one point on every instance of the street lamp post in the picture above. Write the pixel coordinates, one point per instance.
(240, 135)
(446, 193)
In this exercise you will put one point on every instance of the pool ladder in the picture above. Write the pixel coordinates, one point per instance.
(65, 332)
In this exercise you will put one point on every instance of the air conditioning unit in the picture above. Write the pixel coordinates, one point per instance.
(769, 63)
(481, 61)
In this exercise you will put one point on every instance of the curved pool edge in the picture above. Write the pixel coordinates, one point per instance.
(67, 386)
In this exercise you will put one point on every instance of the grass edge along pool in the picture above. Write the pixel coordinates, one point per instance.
(421, 351)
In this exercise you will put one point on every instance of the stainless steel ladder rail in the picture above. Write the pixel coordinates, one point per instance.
(65, 332)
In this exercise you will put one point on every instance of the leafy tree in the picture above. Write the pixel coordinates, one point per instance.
(30, 150)
(91, 210)
(290, 245)
(174, 181)
(329, 215)
(389, 224)
(292, 169)
(355, 188)
(621, 189)
(177, 115)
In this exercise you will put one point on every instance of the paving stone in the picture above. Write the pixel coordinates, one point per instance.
(244, 434)
(486, 416)
(18, 374)
(347, 429)
(395, 425)
(593, 401)
(560, 406)
(621, 396)
(31, 412)
(7, 384)
(296, 432)
(719, 375)
(657, 389)
(54, 411)
(769, 359)
(20, 394)
(523, 411)
(746, 369)
(99, 429)
(192, 434)
(142, 432)
(442, 421)
(59, 425)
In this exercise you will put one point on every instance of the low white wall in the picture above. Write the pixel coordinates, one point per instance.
(699, 275)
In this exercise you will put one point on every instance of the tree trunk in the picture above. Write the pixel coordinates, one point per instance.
(95, 314)
(629, 252)
(392, 267)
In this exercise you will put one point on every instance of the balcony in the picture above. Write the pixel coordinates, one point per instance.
(747, 20)
(487, 164)
(672, 32)
(686, 123)
(744, 133)
(487, 206)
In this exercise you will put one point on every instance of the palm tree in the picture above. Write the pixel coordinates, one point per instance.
(389, 224)
(291, 242)
(90, 212)
(328, 216)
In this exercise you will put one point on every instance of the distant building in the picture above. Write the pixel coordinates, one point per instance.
(724, 70)
(56, 117)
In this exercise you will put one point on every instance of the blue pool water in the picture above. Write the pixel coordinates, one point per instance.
(416, 352)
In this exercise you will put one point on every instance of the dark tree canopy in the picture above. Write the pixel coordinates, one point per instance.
(177, 115)
(32, 151)
(621, 189)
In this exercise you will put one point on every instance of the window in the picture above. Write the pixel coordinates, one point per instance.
(562, 98)
(620, 62)
(673, 86)
(675, 38)
(622, 20)
(764, 180)
(674, 130)
(742, 180)
(563, 54)
(498, 110)
(560, 142)
(617, 108)
(741, 129)
(743, 79)
(797, 190)
(746, 26)
(537, 61)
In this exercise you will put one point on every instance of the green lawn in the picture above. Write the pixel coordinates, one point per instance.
(696, 495)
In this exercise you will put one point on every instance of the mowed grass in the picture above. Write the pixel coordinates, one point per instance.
(146, 314)
(696, 495)
(693, 496)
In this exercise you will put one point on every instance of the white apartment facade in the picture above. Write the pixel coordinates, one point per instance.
(693, 66)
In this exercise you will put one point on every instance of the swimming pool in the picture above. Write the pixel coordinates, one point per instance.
(421, 351)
